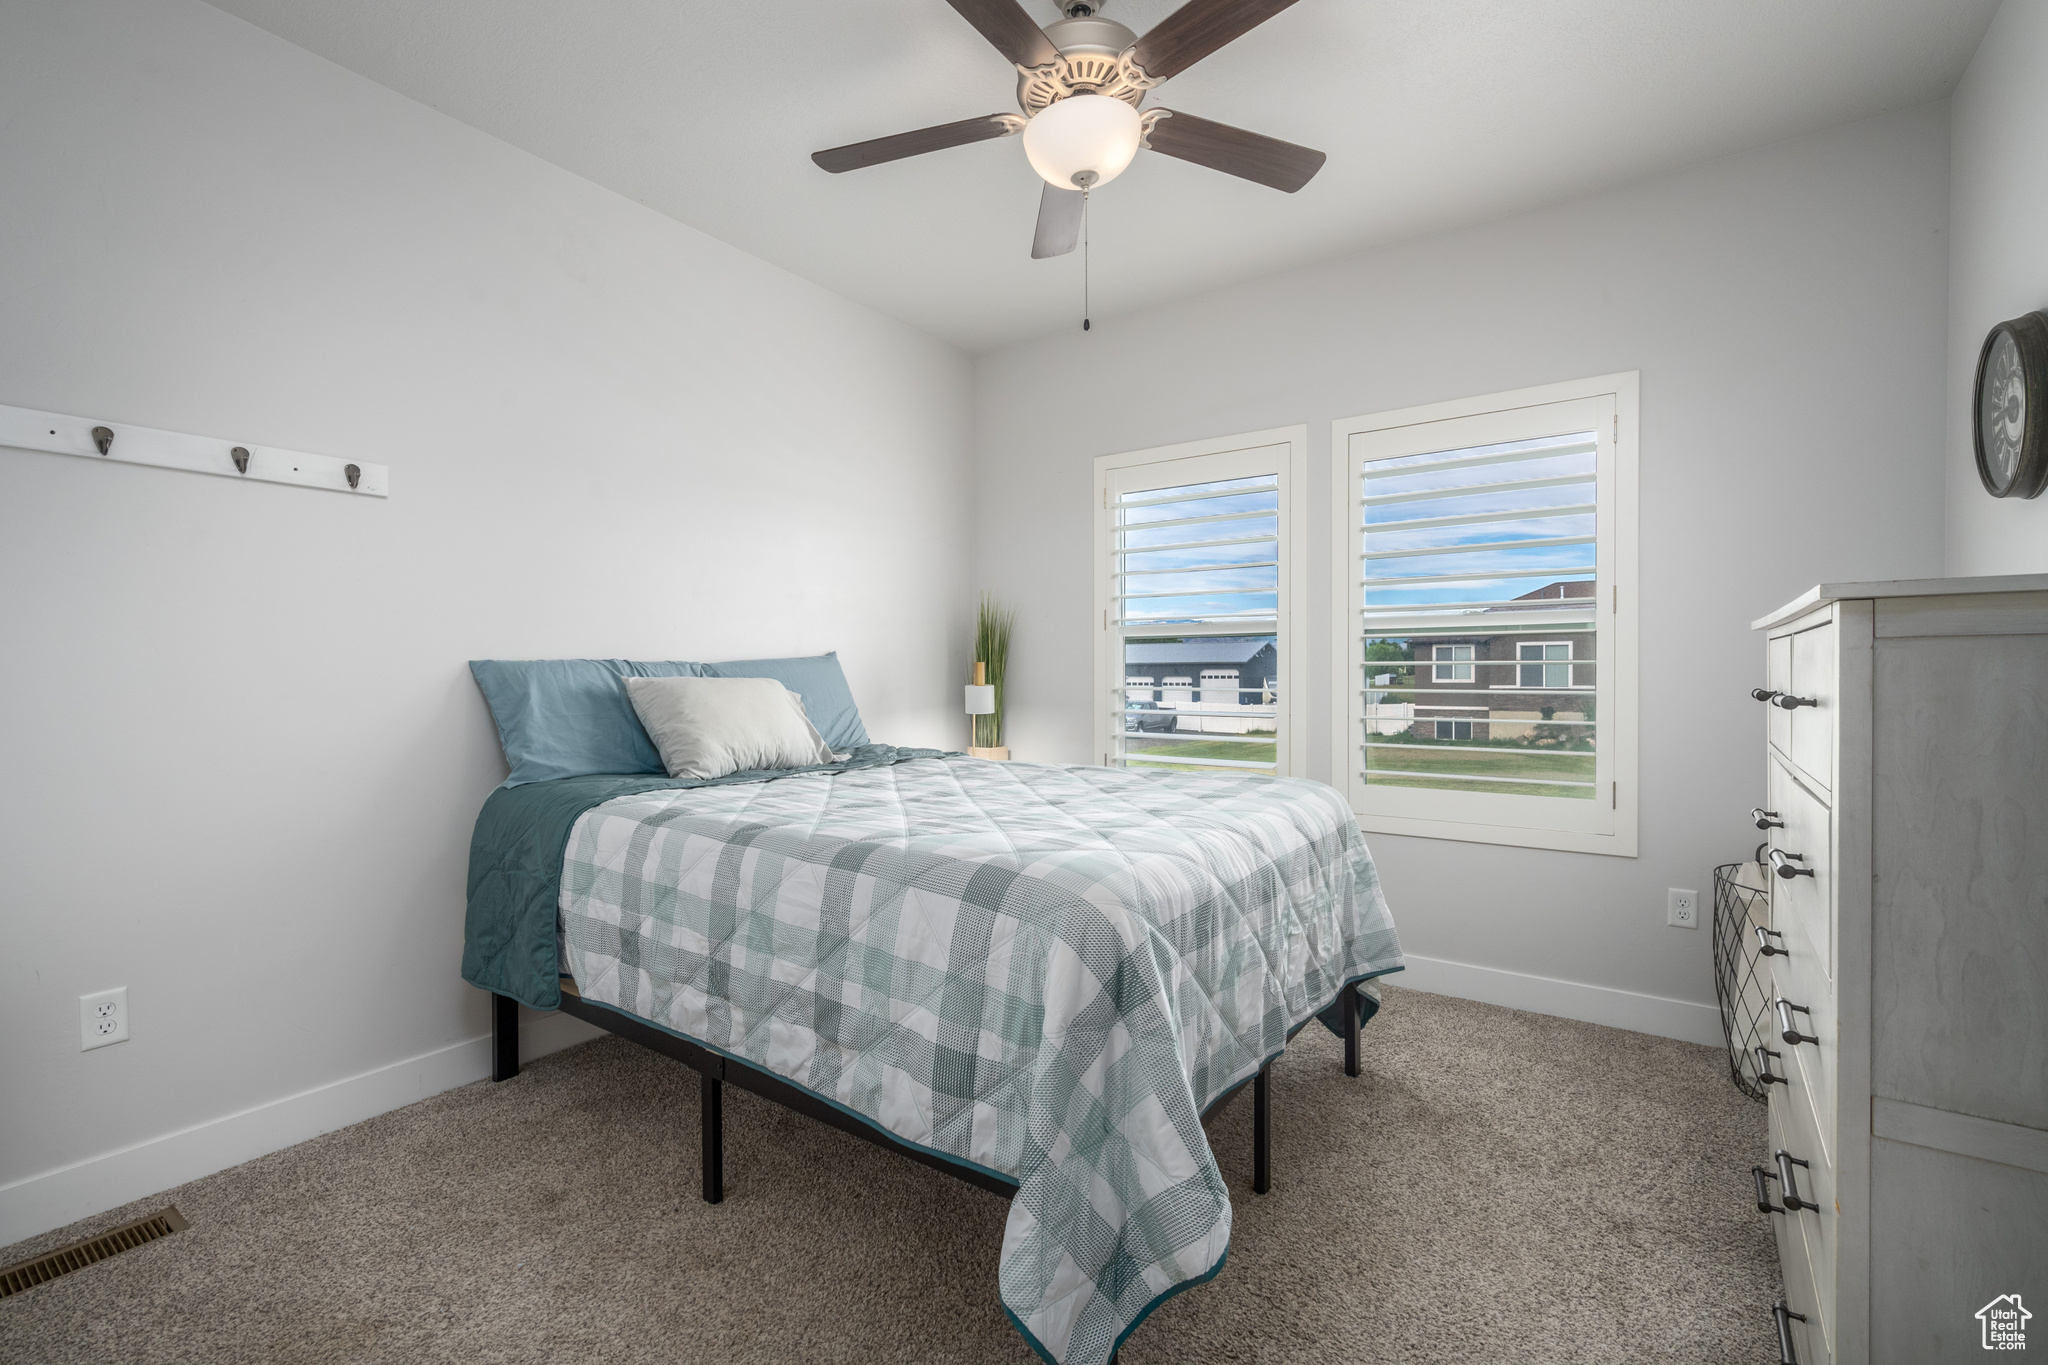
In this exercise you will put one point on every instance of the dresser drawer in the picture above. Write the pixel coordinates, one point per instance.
(1809, 1343)
(1778, 668)
(1804, 905)
(1809, 1068)
(1797, 1134)
(1811, 741)
(1805, 1239)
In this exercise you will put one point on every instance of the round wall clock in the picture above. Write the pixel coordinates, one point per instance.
(2011, 426)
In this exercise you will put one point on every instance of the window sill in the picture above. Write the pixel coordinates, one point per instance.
(1620, 844)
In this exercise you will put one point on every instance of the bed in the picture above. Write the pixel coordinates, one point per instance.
(1036, 978)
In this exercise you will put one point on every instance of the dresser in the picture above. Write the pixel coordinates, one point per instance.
(1906, 957)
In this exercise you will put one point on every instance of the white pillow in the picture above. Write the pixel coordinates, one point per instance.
(708, 727)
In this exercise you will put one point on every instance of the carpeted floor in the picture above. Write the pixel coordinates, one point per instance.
(1498, 1186)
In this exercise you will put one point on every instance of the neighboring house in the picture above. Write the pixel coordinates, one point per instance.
(1479, 677)
(1209, 673)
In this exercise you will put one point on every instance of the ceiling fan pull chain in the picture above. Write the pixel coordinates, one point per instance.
(1084, 260)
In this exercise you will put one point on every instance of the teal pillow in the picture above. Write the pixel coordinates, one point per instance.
(828, 701)
(570, 717)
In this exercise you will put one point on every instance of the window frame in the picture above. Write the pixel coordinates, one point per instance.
(1291, 619)
(1569, 663)
(1472, 816)
(1438, 663)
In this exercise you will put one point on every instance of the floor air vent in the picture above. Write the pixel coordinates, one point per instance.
(64, 1260)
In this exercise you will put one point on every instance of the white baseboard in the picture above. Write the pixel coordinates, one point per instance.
(1681, 1019)
(52, 1199)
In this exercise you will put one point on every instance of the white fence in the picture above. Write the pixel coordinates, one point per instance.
(1252, 711)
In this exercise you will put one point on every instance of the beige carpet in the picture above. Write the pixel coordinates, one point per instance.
(1498, 1186)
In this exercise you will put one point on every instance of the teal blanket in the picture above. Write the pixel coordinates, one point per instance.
(511, 943)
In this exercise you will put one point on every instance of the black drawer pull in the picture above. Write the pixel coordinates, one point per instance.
(1763, 1196)
(1783, 861)
(1765, 819)
(1764, 1074)
(1785, 1317)
(1788, 1190)
(1785, 1029)
(1764, 948)
(1770, 696)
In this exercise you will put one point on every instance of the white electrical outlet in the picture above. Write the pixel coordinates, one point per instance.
(102, 1018)
(1682, 909)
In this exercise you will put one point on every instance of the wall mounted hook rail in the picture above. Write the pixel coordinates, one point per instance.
(119, 443)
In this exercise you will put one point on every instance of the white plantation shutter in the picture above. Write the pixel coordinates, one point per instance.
(1201, 552)
(1197, 588)
(1488, 669)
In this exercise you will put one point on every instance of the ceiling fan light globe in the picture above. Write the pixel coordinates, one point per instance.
(1079, 135)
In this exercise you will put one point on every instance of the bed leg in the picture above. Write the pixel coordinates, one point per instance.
(1262, 1130)
(712, 1103)
(504, 1037)
(1348, 1003)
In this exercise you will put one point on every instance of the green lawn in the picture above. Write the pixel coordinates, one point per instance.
(1197, 748)
(1466, 758)
(1463, 758)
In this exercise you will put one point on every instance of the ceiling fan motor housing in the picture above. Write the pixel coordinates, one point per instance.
(1091, 62)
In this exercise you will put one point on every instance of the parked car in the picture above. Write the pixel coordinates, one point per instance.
(1148, 718)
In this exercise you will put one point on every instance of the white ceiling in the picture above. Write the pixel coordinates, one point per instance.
(1434, 113)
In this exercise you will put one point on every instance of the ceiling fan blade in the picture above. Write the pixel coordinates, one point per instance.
(1059, 222)
(1197, 29)
(875, 151)
(1005, 24)
(1249, 156)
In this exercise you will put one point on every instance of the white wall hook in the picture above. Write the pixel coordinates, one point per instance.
(58, 434)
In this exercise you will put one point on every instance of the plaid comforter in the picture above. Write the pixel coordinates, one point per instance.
(1046, 972)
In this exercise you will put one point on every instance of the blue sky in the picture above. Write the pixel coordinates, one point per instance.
(1491, 575)
(1247, 541)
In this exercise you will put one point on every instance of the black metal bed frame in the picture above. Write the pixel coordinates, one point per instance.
(715, 1069)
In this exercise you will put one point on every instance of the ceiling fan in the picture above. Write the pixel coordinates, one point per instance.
(1081, 81)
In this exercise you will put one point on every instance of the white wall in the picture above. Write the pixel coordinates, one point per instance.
(1785, 308)
(243, 752)
(1998, 269)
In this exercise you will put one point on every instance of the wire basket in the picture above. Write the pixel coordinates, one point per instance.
(1742, 904)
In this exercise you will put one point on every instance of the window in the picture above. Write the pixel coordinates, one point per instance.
(1199, 591)
(1487, 619)
(1545, 675)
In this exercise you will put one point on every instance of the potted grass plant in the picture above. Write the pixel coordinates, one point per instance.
(992, 627)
